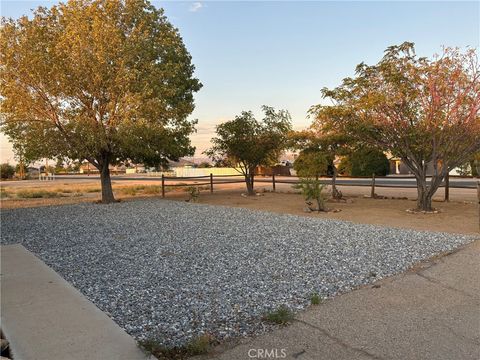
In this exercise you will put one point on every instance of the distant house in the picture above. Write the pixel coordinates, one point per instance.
(32, 171)
(87, 168)
(181, 163)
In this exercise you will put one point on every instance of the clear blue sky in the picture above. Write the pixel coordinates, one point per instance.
(282, 53)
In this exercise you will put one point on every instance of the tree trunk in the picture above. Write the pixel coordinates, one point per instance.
(424, 195)
(335, 193)
(249, 178)
(107, 192)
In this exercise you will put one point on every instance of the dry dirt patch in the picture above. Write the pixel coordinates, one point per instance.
(454, 217)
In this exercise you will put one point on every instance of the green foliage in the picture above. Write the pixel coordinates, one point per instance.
(312, 189)
(193, 192)
(365, 162)
(3, 193)
(311, 163)
(200, 345)
(105, 81)
(404, 105)
(345, 166)
(247, 143)
(470, 167)
(281, 316)
(315, 299)
(204, 165)
(6, 171)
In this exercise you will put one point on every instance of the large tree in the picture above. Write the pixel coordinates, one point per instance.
(101, 80)
(247, 143)
(425, 111)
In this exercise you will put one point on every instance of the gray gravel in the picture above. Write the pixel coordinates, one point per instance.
(175, 270)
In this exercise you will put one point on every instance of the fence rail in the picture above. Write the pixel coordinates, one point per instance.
(340, 181)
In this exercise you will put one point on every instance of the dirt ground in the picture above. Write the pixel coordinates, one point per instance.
(454, 217)
(461, 215)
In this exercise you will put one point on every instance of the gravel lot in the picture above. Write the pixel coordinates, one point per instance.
(175, 270)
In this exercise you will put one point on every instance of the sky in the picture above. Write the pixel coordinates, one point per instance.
(280, 53)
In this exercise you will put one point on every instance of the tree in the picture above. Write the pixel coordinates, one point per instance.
(248, 143)
(425, 111)
(105, 81)
(6, 171)
(312, 163)
(59, 166)
(320, 140)
(204, 164)
(365, 162)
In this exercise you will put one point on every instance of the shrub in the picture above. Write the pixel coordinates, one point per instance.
(193, 192)
(366, 162)
(311, 163)
(35, 194)
(198, 346)
(3, 193)
(6, 171)
(315, 299)
(312, 189)
(152, 189)
(280, 316)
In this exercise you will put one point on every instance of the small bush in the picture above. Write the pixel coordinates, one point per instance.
(6, 171)
(132, 191)
(315, 299)
(280, 316)
(197, 346)
(3, 193)
(200, 345)
(312, 189)
(152, 189)
(193, 192)
(36, 194)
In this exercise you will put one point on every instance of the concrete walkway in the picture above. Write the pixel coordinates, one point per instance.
(45, 318)
(432, 312)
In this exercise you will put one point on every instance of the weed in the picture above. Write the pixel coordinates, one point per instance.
(315, 299)
(152, 189)
(129, 191)
(35, 194)
(65, 191)
(3, 193)
(197, 346)
(280, 316)
(193, 192)
(93, 190)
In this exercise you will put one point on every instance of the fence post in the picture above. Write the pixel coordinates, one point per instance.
(447, 187)
(372, 194)
(211, 183)
(478, 196)
(163, 185)
(273, 181)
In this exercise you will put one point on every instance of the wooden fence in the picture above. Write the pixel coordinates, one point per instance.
(212, 180)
